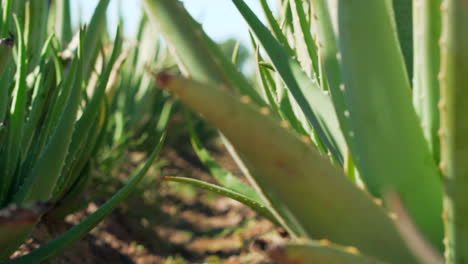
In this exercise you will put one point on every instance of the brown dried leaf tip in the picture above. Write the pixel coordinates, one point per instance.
(163, 79)
(279, 255)
(14, 215)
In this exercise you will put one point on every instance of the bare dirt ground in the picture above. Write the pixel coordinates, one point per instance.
(170, 224)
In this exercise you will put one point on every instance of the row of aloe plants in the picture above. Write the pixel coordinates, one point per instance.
(59, 93)
(340, 137)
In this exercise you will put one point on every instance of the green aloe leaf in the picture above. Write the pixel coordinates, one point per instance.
(44, 85)
(329, 62)
(275, 27)
(55, 247)
(454, 127)
(36, 29)
(426, 91)
(390, 149)
(7, 9)
(257, 206)
(403, 13)
(296, 172)
(62, 21)
(94, 33)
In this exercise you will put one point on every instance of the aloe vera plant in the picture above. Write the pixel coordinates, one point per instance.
(53, 115)
(345, 103)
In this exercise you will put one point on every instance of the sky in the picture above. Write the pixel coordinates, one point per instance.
(219, 18)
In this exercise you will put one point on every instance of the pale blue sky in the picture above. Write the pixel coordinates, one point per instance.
(220, 18)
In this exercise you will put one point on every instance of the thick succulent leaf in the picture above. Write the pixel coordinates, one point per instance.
(7, 9)
(257, 206)
(329, 57)
(403, 13)
(94, 33)
(275, 27)
(426, 92)
(44, 86)
(390, 149)
(55, 247)
(36, 28)
(454, 127)
(325, 202)
(62, 21)
(309, 252)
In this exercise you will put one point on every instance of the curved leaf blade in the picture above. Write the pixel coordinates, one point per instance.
(295, 171)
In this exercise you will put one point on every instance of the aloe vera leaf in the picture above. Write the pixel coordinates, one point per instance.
(275, 27)
(283, 107)
(305, 44)
(403, 13)
(62, 22)
(15, 225)
(319, 252)
(254, 204)
(43, 87)
(55, 102)
(59, 99)
(225, 178)
(197, 54)
(17, 116)
(329, 57)
(235, 53)
(58, 245)
(266, 83)
(390, 148)
(94, 32)
(316, 105)
(44, 175)
(301, 177)
(74, 169)
(426, 92)
(7, 15)
(36, 29)
(454, 127)
(69, 202)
